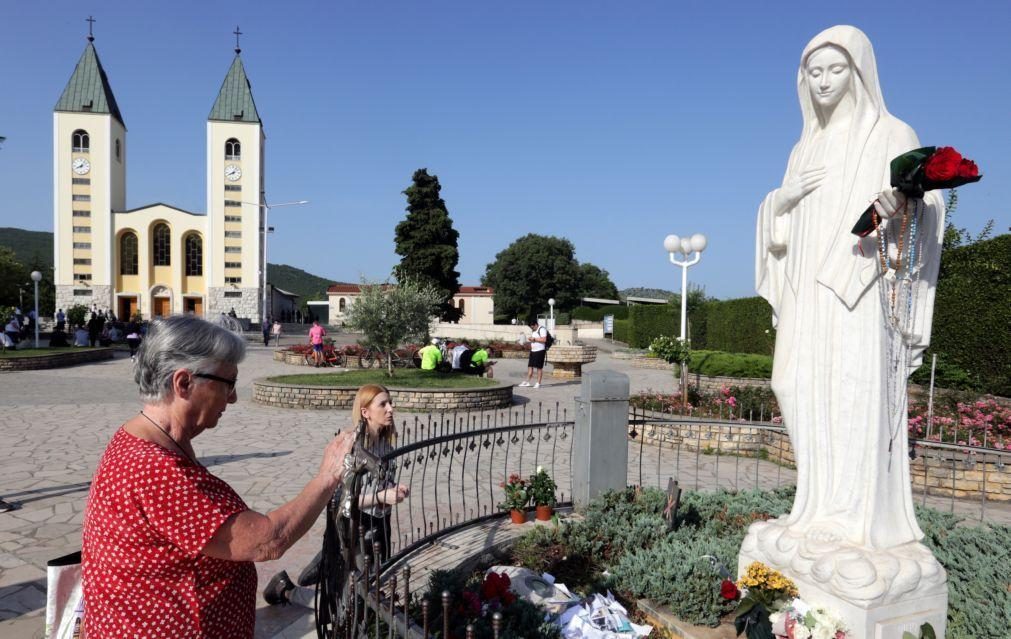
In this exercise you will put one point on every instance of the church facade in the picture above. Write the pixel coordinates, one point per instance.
(157, 259)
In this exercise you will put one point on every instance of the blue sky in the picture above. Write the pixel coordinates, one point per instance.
(609, 123)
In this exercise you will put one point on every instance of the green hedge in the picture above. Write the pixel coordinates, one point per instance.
(735, 326)
(652, 321)
(622, 330)
(971, 328)
(720, 364)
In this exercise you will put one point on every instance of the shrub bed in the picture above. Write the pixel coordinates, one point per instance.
(722, 364)
(625, 534)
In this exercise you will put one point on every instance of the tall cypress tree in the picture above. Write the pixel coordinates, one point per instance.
(427, 243)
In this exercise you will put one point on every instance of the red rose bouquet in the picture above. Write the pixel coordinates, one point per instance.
(922, 170)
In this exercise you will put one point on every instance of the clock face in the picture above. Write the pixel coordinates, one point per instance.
(81, 166)
(232, 172)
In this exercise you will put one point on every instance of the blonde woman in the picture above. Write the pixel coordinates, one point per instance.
(374, 408)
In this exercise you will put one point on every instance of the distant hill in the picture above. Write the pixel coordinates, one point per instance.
(29, 246)
(295, 280)
(655, 293)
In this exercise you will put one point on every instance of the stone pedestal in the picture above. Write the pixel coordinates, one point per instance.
(568, 360)
(879, 593)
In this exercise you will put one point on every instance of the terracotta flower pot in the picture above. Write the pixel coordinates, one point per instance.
(544, 512)
(518, 516)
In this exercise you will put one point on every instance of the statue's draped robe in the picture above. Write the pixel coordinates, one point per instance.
(830, 371)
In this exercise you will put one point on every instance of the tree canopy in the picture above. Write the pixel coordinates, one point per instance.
(535, 268)
(427, 243)
(391, 315)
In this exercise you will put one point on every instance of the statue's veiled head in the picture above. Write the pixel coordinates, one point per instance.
(838, 64)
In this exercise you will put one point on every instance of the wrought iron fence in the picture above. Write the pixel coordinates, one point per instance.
(454, 463)
(708, 454)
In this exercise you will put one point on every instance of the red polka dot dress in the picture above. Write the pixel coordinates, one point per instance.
(150, 513)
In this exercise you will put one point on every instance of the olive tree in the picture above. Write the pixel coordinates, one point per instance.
(392, 314)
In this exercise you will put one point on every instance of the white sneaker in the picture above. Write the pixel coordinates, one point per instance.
(525, 384)
(537, 385)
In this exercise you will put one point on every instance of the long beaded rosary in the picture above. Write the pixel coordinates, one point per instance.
(898, 292)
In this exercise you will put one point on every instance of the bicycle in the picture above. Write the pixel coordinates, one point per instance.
(331, 358)
(401, 358)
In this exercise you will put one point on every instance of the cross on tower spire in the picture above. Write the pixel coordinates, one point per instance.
(91, 22)
(237, 34)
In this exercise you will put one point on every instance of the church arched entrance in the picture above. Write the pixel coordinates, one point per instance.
(161, 301)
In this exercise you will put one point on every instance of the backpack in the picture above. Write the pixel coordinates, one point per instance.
(549, 339)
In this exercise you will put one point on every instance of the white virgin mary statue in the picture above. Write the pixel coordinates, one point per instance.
(842, 358)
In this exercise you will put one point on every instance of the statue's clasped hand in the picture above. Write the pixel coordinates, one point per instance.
(890, 202)
(797, 187)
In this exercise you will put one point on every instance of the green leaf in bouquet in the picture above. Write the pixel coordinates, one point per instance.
(906, 167)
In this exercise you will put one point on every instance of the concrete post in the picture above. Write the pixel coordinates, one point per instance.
(600, 447)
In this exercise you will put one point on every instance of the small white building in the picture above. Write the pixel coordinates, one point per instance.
(476, 303)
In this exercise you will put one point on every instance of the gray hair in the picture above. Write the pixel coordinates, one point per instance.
(182, 341)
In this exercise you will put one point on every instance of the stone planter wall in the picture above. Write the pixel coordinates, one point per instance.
(651, 362)
(279, 356)
(337, 397)
(56, 360)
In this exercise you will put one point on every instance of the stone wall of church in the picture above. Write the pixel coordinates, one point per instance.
(224, 299)
(101, 296)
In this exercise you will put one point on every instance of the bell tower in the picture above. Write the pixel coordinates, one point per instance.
(89, 183)
(235, 190)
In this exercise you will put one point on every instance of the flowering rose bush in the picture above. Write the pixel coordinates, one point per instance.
(965, 423)
(517, 493)
(730, 402)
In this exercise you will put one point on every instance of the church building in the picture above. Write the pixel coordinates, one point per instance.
(157, 259)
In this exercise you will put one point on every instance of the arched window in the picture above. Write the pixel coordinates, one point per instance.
(460, 306)
(128, 254)
(162, 245)
(194, 255)
(342, 305)
(233, 150)
(119, 151)
(80, 142)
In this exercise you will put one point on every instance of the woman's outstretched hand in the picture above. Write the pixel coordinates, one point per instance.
(797, 188)
(332, 465)
(394, 495)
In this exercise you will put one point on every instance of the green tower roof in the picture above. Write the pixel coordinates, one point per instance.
(88, 90)
(235, 99)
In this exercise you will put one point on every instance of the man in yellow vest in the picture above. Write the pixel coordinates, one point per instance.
(430, 356)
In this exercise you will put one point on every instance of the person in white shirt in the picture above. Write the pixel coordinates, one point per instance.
(538, 335)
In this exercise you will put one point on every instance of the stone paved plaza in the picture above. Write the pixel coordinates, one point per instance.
(56, 423)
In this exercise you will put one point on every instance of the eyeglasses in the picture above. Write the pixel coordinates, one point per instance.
(223, 380)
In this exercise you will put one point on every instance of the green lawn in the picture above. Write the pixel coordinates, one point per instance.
(25, 351)
(403, 378)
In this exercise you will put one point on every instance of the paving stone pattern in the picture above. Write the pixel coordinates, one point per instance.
(55, 424)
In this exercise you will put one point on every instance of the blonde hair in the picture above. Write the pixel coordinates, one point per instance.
(363, 398)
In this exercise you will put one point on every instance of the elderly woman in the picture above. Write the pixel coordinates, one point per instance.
(168, 548)
(374, 407)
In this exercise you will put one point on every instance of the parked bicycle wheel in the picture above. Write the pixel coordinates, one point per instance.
(367, 359)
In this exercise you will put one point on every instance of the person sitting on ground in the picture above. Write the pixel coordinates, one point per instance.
(13, 331)
(168, 548)
(455, 354)
(59, 338)
(478, 363)
(115, 333)
(81, 336)
(431, 356)
(374, 407)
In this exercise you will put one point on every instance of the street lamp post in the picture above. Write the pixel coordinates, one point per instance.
(36, 277)
(685, 246)
(551, 306)
(265, 209)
